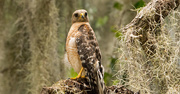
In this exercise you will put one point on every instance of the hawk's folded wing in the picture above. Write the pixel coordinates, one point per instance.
(90, 56)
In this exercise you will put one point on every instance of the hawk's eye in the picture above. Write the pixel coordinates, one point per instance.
(76, 14)
(85, 14)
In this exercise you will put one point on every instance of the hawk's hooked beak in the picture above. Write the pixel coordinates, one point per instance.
(82, 15)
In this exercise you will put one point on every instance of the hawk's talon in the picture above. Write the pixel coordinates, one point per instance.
(74, 78)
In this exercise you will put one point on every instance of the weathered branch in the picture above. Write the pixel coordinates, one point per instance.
(138, 28)
(80, 86)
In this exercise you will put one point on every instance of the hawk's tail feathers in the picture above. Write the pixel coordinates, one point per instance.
(95, 76)
(100, 81)
(100, 78)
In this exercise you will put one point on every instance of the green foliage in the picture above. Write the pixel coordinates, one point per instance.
(139, 4)
(107, 78)
(101, 21)
(115, 82)
(113, 62)
(118, 5)
(73, 73)
(118, 34)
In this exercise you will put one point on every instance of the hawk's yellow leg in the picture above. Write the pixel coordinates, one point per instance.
(79, 74)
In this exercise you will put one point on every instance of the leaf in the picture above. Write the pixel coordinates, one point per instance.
(118, 34)
(107, 77)
(118, 6)
(115, 82)
(113, 29)
(101, 21)
(113, 62)
(139, 4)
(73, 73)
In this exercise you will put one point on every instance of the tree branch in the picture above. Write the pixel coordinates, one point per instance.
(80, 86)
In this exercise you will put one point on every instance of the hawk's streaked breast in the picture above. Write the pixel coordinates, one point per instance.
(71, 47)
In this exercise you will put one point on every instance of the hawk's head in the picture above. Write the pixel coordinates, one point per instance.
(80, 16)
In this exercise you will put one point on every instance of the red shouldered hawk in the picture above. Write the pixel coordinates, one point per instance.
(83, 51)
